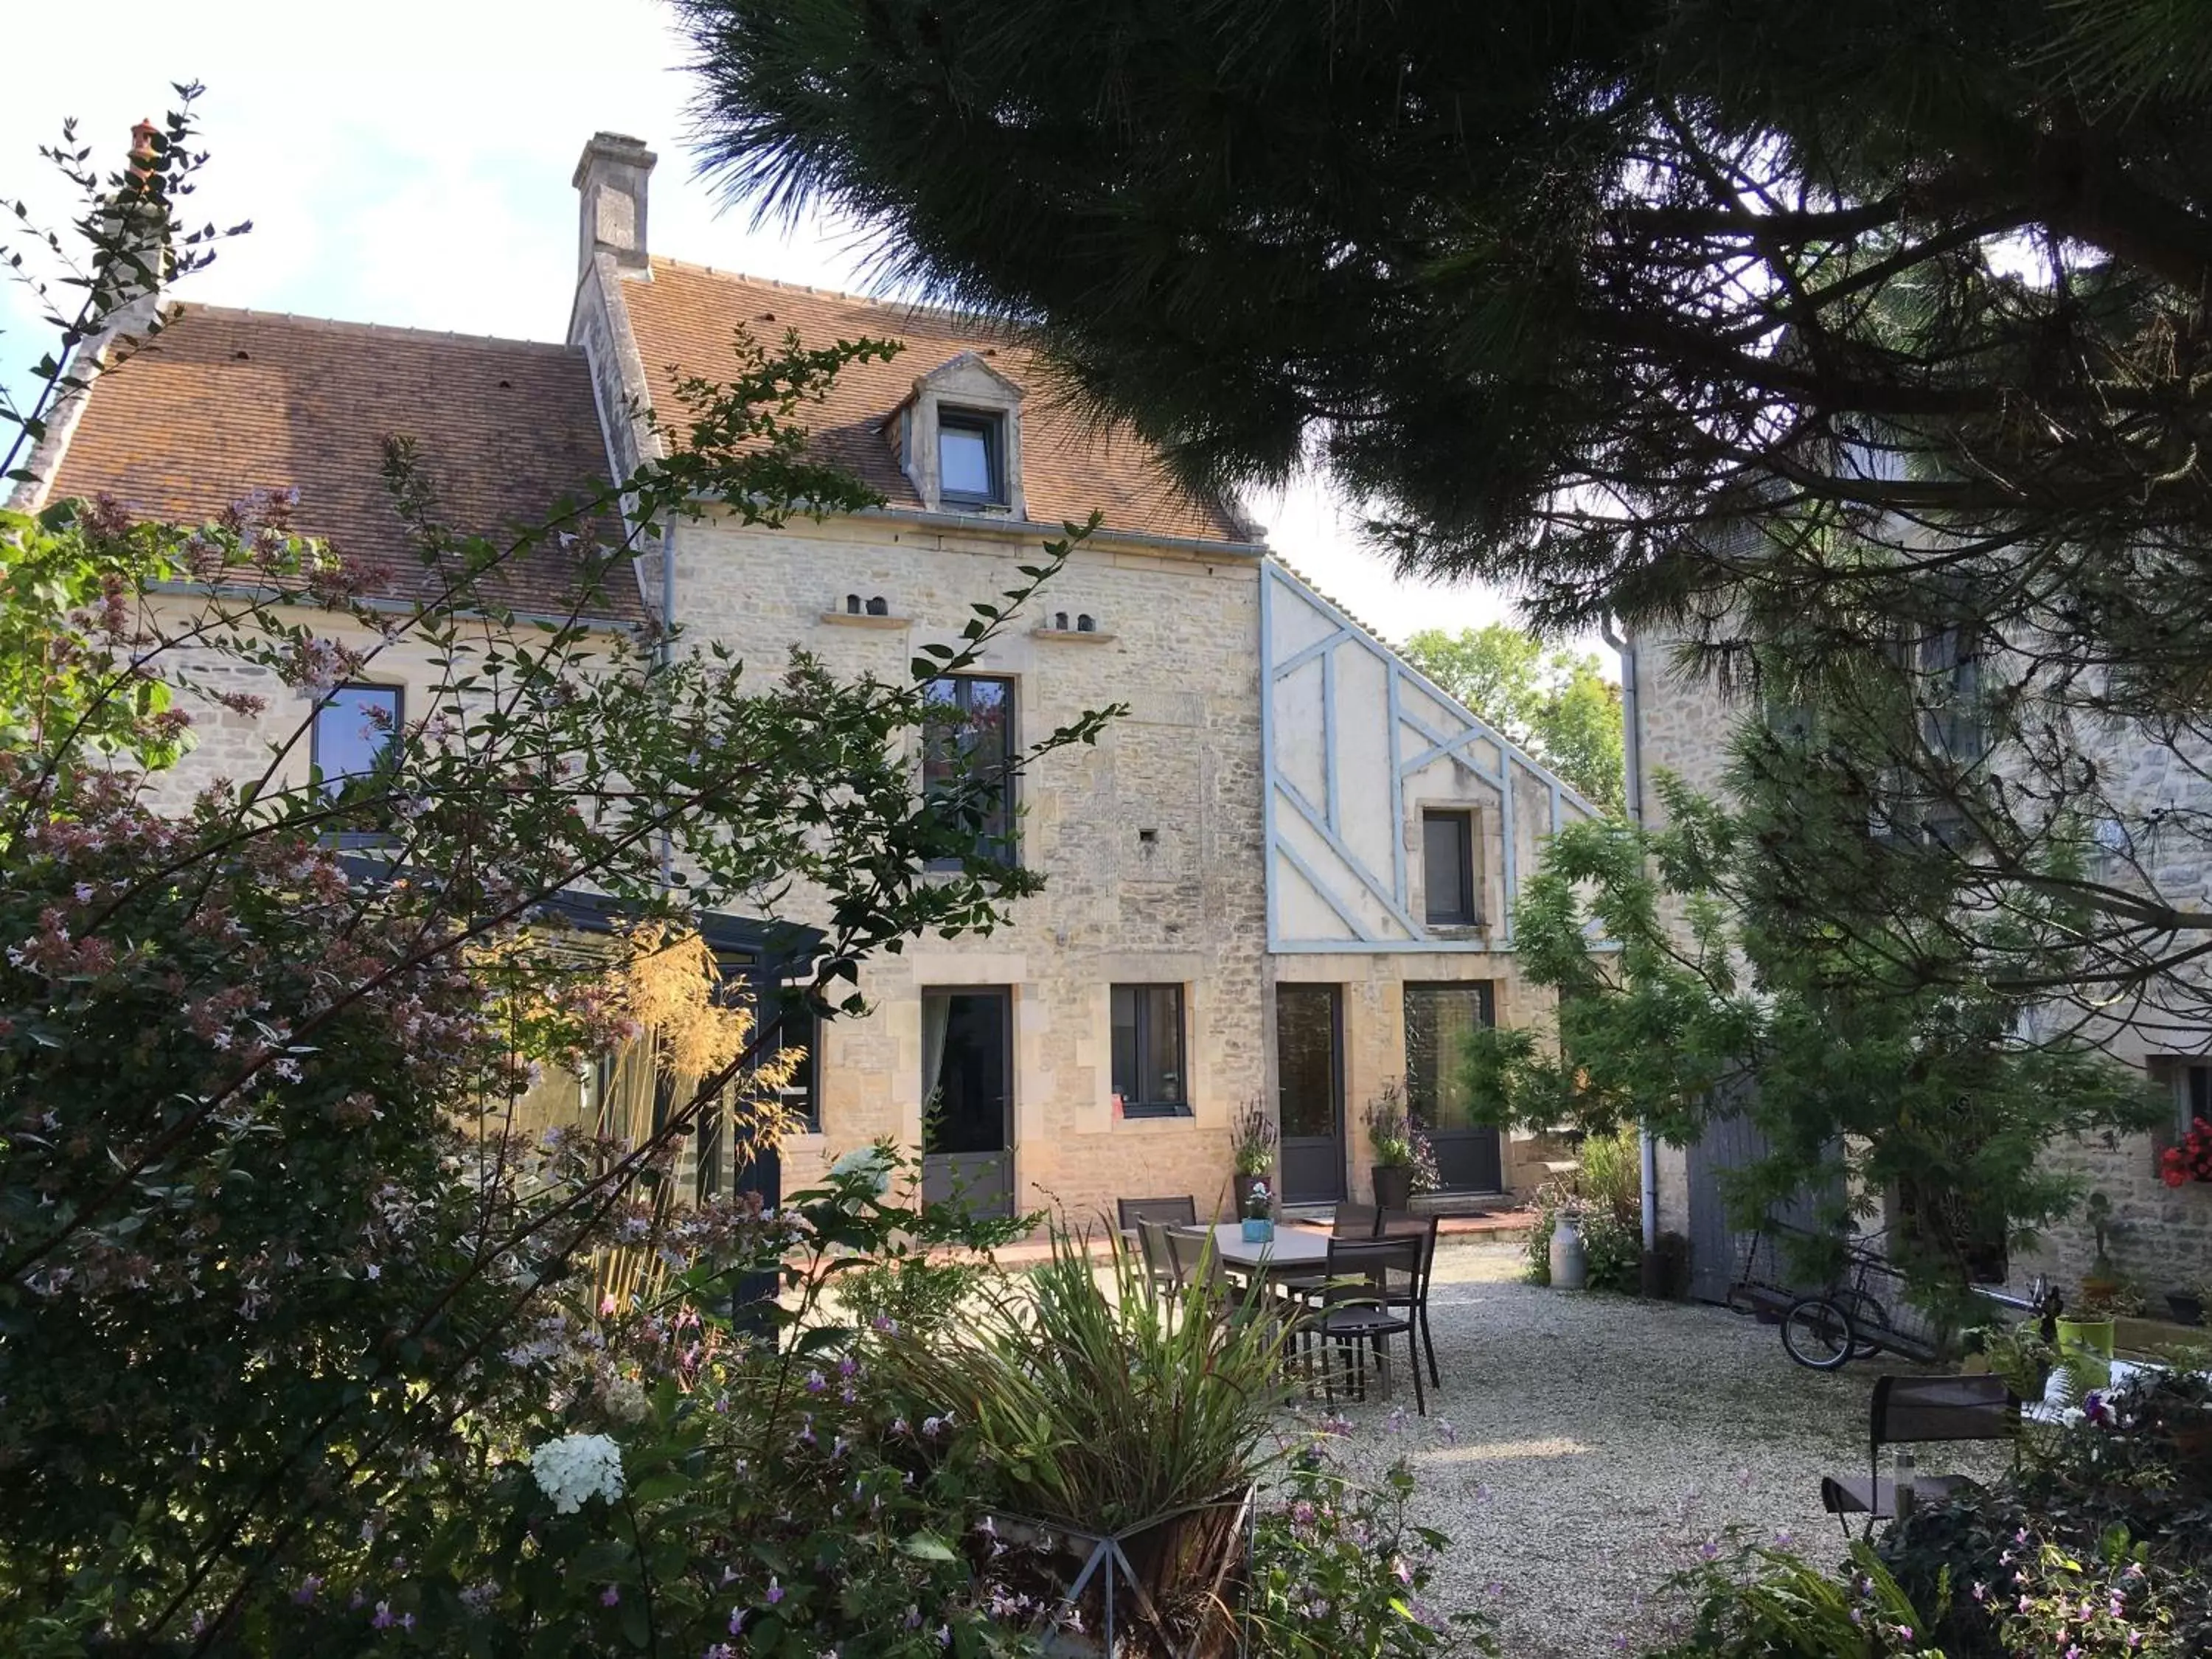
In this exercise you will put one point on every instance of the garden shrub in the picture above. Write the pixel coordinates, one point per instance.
(1768, 1603)
(1338, 1568)
(2098, 1548)
(1607, 1192)
(2112, 1514)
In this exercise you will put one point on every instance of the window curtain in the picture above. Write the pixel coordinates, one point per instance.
(936, 1015)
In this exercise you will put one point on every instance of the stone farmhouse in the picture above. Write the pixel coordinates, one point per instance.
(1286, 877)
(2163, 1239)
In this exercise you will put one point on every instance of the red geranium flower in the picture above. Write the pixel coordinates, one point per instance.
(2190, 1161)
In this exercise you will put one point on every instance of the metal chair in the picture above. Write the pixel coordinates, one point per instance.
(1913, 1411)
(1353, 1310)
(1355, 1221)
(1130, 1213)
(1158, 1246)
(1412, 1291)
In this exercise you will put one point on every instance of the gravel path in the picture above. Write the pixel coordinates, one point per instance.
(1584, 1447)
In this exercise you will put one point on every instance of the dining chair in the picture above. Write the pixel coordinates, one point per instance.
(1355, 1315)
(1158, 1243)
(1354, 1221)
(1412, 1291)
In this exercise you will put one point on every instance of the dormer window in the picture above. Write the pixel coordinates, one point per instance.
(970, 459)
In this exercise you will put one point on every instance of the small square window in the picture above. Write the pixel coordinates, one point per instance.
(970, 464)
(355, 727)
(1148, 1051)
(1447, 869)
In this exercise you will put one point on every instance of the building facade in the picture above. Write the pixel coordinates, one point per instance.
(1282, 878)
(1681, 723)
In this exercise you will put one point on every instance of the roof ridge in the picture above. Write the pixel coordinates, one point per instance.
(923, 307)
(195, 307)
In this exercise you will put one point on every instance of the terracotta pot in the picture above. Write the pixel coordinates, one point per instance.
(1394, 1186)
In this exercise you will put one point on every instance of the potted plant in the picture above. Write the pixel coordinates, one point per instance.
(1390, 1133)
(1253, 1146)
(1109, 1444)
(2190, 1161)
(1258, 1213)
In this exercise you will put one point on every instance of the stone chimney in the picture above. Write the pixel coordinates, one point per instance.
(610, 177)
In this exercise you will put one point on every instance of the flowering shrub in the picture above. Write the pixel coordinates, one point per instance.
(1764, 1603)
(2102, 1541)
(2190, 1161)
(1338, 1569)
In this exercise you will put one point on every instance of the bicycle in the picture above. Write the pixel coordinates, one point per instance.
(1827, 1329)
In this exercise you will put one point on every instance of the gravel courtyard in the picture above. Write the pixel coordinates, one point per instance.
(1584, 1447)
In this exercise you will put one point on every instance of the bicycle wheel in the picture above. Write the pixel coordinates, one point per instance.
(1869, 1321)
(1817, 1334)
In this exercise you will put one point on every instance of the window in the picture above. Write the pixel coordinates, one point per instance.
(1448, 868)
(1438, 1018)
(968, 752)
(2192, 1089)
(970, 462)
(354, 727)
(797, 1037)
(1148, 1076)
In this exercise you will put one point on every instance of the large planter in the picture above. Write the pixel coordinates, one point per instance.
(2085, 1350)
(1394, 1186)
(1174, 1590)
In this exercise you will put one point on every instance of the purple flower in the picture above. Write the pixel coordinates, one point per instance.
(308, 1586)
(1709, 1551)
(610, 1596)
(737, 1621)
(774, 1591)
(816, 1382)
(382, 1619)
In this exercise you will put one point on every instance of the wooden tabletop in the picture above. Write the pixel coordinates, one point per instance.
(1293, 1251)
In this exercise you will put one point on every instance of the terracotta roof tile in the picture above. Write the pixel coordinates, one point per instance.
(684, 319)
(226, 402)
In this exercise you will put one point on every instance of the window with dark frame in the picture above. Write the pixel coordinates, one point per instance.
(2192, 1091)
(1448, 868)
(1148, 1051)
(798, 1037)
(971, 460)
(969, 737)
(354, 728)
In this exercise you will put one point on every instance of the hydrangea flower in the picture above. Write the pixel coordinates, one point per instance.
(577, 1466)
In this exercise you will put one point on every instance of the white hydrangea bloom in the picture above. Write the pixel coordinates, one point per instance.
(871, 1163)
(577, 1466)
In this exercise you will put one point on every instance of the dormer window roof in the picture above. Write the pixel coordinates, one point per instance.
(958, 438)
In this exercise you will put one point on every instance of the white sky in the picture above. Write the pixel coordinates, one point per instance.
(408, 162)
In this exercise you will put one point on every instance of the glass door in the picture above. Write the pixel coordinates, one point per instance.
(967, 1088)
(1310, 1075)
(1438, 1017)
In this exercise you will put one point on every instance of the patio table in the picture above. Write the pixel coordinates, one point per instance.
(1292, 1253)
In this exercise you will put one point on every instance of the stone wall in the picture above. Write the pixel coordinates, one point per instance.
(1174, 640)
(2164, 1236)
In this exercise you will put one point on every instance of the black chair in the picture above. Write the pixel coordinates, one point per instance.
(1175, 1211)
(1158, 1242)
(1355, 1221)
(1412, 1291)
(1911, 1411)
(1354, 1312)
